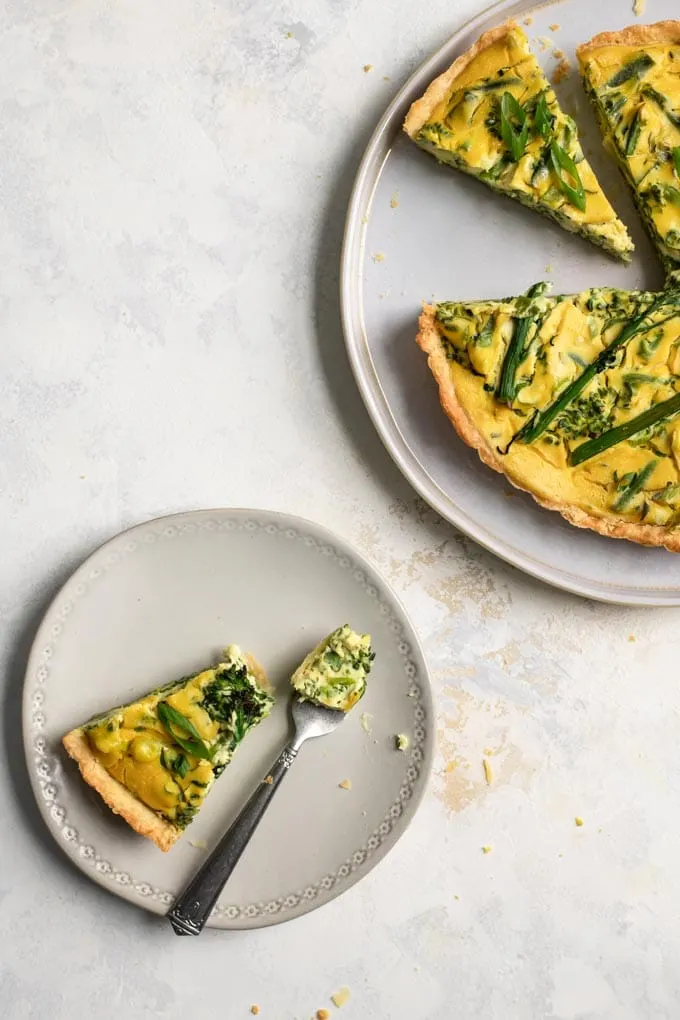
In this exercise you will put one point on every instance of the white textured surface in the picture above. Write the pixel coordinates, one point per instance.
(172, 188)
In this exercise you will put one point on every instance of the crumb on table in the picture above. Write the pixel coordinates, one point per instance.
(268, 780)
(558, 54)
(199, 844)
(322, 1014)
(255, 1009)
(561, 71)
(366, 717)
(544, 42)
(488, 771)
(578, 821)
(639, 7)
(340, 998)
(486, 849)
(378, 257)
(529, 20)
(401, 742)
(631, 637)
(346, 784)
(394, 201)
(367, 68)
(554, 27)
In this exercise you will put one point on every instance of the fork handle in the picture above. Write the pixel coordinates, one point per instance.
(193, 908)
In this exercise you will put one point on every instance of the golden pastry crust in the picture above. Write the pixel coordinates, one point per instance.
(420, 111)
(634, 35)
(138, 816)
(430, 342)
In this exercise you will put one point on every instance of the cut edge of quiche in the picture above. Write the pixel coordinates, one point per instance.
(611, 525)
(140, 816)
(623, 119)
(534, 158)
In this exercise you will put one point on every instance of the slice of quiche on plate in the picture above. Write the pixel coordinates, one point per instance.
(575, 398)
(632, 78)
(154, 760)
(494, 114)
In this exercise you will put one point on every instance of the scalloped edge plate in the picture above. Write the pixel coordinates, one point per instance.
(151, 604)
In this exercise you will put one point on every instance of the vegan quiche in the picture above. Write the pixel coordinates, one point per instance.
(633, 80)
(575, 398)
(154, 761)
(494, 114)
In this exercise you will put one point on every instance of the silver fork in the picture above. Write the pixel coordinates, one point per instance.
(193, 908)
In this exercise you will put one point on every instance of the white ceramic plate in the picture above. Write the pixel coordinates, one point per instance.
(160, 601)
(446, 236)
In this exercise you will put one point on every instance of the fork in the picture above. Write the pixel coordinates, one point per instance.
(193, 908)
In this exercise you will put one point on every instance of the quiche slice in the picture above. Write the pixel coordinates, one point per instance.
(632, 78)
(154, 761)
(493, 114)
(575, 398)
(334, 673)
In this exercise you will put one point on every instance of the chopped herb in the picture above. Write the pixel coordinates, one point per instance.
(664, 409)
(563, 164)
(514, 126)
(676, 159)
(632, 382)
(588, 416)
(657, 97)
(669, 495)
(184, 815)
(543, 118)
(494, 84)
(631, 483)
(188, 737)
(633, 134)
(635, 68)
(485, 337)
(333, 659)
(648, 345)
(614, 104)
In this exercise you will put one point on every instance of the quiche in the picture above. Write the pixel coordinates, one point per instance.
(575, 398)
(334, 673)
(154, 761)
(632, 78)
(493, 114)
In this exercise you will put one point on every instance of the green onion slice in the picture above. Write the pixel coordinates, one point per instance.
(543, 117)
(564, 165)
(189, 739)
(514, 126)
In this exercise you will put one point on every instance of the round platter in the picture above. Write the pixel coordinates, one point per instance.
(159, 602)
(417, 231)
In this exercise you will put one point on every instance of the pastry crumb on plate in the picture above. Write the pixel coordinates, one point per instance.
(341, 997)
